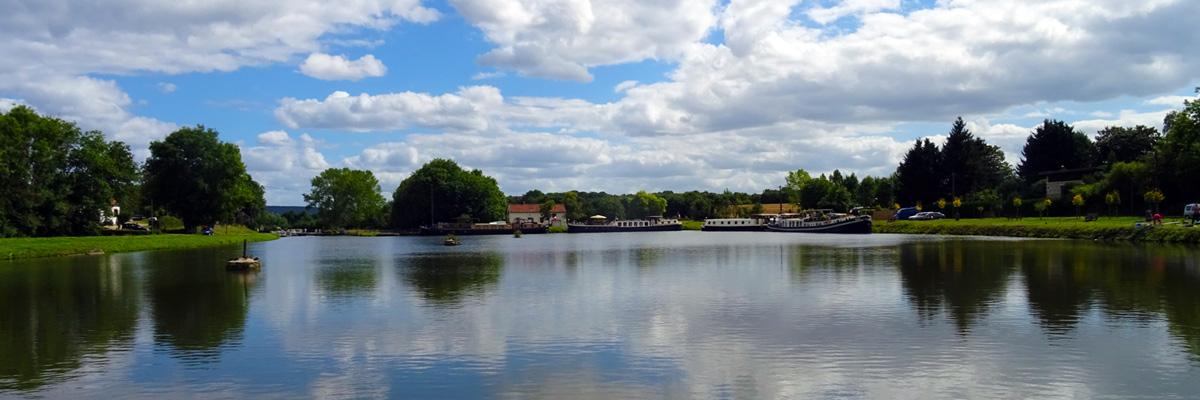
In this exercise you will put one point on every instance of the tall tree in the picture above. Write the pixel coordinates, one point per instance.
(194, 175)
(56, 178)
(1176, 161)
(1120, 144)
(1054, 145)
(969, 164)
(441, 190)
(918, 176)
(346, 198)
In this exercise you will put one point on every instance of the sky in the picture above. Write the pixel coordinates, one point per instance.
(618, 95)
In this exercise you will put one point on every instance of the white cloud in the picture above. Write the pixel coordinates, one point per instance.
(331, 67)
(166, 87)
(562, 39)
(52, 47)
(826, 15)
(487, 75)
(1173, 101)
(625, 85)
(283, 165)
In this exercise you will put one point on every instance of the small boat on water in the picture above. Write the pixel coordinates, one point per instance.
(821, 221)
(599, 223)
(756, 223)
(450, 240)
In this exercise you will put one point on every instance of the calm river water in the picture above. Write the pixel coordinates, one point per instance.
(677, 314)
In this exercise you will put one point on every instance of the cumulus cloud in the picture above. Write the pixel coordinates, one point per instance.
(562, 39)
(331, 67)
(826, 15)
(52, 48)
(91, 103)
(283, 165)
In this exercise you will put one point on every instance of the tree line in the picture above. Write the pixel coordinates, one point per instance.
(1122, 170)
(61, 180)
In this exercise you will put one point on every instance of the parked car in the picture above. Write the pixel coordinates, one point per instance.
(904, 213)
(1191, 212)
(928, 215)
(133, 227)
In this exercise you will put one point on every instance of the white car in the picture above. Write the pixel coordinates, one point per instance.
(927, 215)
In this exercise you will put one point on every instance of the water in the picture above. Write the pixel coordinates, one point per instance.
(677, 314)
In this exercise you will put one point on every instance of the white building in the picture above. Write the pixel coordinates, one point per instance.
(532, 212)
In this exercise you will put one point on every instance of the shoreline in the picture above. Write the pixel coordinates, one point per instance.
(1106, 229)
(64, 246)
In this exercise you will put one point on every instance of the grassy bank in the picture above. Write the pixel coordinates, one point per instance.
(1106, 228)
(15, 248)
(689, 225)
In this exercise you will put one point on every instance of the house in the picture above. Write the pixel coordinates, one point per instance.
(533, 212)
(1058, 180)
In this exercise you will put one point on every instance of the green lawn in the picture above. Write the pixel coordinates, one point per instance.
(689, 225)
(14, 248)
(1106, 228)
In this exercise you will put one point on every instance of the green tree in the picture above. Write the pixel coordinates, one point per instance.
(969, 164)
(574, 207)
(644, 204)
(836, 198)
(1113, 199)
(533, 197)
(609, 206)
(197, 177)
(346, 198)
(1176, 160)
(1054, 145)
(1121, 144)
(56, 178)
(441, 191)
(918, 176)
(1154, 196)
(546, 209)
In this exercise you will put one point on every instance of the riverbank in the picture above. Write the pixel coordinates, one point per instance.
(18, 248)
(1106, 228)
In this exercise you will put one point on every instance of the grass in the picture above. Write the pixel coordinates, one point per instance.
(689, 225)
(1105, 228)
(557, 229)
(16, 248)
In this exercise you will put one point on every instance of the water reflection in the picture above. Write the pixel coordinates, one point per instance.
(620, 316)
(445, 279)
(198, 306)
(53, 316)
(347, 277)
(961, 278)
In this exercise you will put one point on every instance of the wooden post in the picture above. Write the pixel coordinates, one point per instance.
(243, 248)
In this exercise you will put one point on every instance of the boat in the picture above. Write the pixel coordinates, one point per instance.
(491, 228)
(600, 223)
(756, 223)
(450, 240)
(821, 221)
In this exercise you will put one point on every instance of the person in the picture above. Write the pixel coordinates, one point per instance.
(1157, 219)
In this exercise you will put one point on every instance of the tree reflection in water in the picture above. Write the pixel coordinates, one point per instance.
(347, 277)
(54, 315)
(1063, 281)
(198, 306)
(964, 279)
(446, 279)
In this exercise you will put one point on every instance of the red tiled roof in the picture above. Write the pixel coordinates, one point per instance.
(535, 208)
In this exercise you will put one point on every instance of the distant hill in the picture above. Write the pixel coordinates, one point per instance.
(283, 209)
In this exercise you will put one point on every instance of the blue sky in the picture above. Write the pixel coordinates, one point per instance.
(617, 96)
